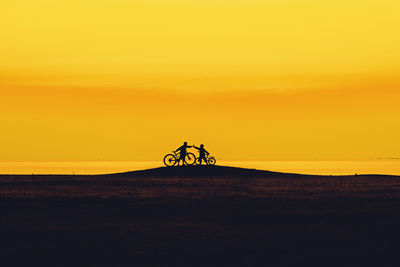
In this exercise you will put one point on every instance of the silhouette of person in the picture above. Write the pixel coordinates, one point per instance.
(202, 153)
(182, 152)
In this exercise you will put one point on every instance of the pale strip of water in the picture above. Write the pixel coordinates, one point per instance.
(304, 167)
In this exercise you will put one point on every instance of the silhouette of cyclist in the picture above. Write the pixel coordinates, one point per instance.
(202, 153)
(182, 152)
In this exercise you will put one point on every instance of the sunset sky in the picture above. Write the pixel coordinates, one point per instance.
(251, 79)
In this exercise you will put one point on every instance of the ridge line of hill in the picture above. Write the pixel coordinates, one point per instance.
(196, 171)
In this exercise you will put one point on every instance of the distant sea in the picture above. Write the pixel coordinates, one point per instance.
(304, 167)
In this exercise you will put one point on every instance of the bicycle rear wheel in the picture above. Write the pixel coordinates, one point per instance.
(190, 159)
(170, 160)
(211, 161)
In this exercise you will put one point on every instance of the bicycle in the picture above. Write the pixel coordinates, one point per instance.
(210, 160)
(171, 160)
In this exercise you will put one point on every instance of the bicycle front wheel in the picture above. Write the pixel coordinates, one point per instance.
(170, 160)
(190, 159)
(212, 161)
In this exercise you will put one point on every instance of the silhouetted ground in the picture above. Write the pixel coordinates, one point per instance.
(200, 216)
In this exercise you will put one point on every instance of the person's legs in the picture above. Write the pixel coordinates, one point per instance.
(204, 158)
(183, 159)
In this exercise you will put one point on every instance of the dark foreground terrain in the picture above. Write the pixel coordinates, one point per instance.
(200, 216)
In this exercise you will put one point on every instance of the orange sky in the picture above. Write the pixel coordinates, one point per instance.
(253, 80)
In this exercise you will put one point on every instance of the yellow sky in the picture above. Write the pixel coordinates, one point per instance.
(265, 80)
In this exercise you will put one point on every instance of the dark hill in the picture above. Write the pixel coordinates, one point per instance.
(199, 216)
